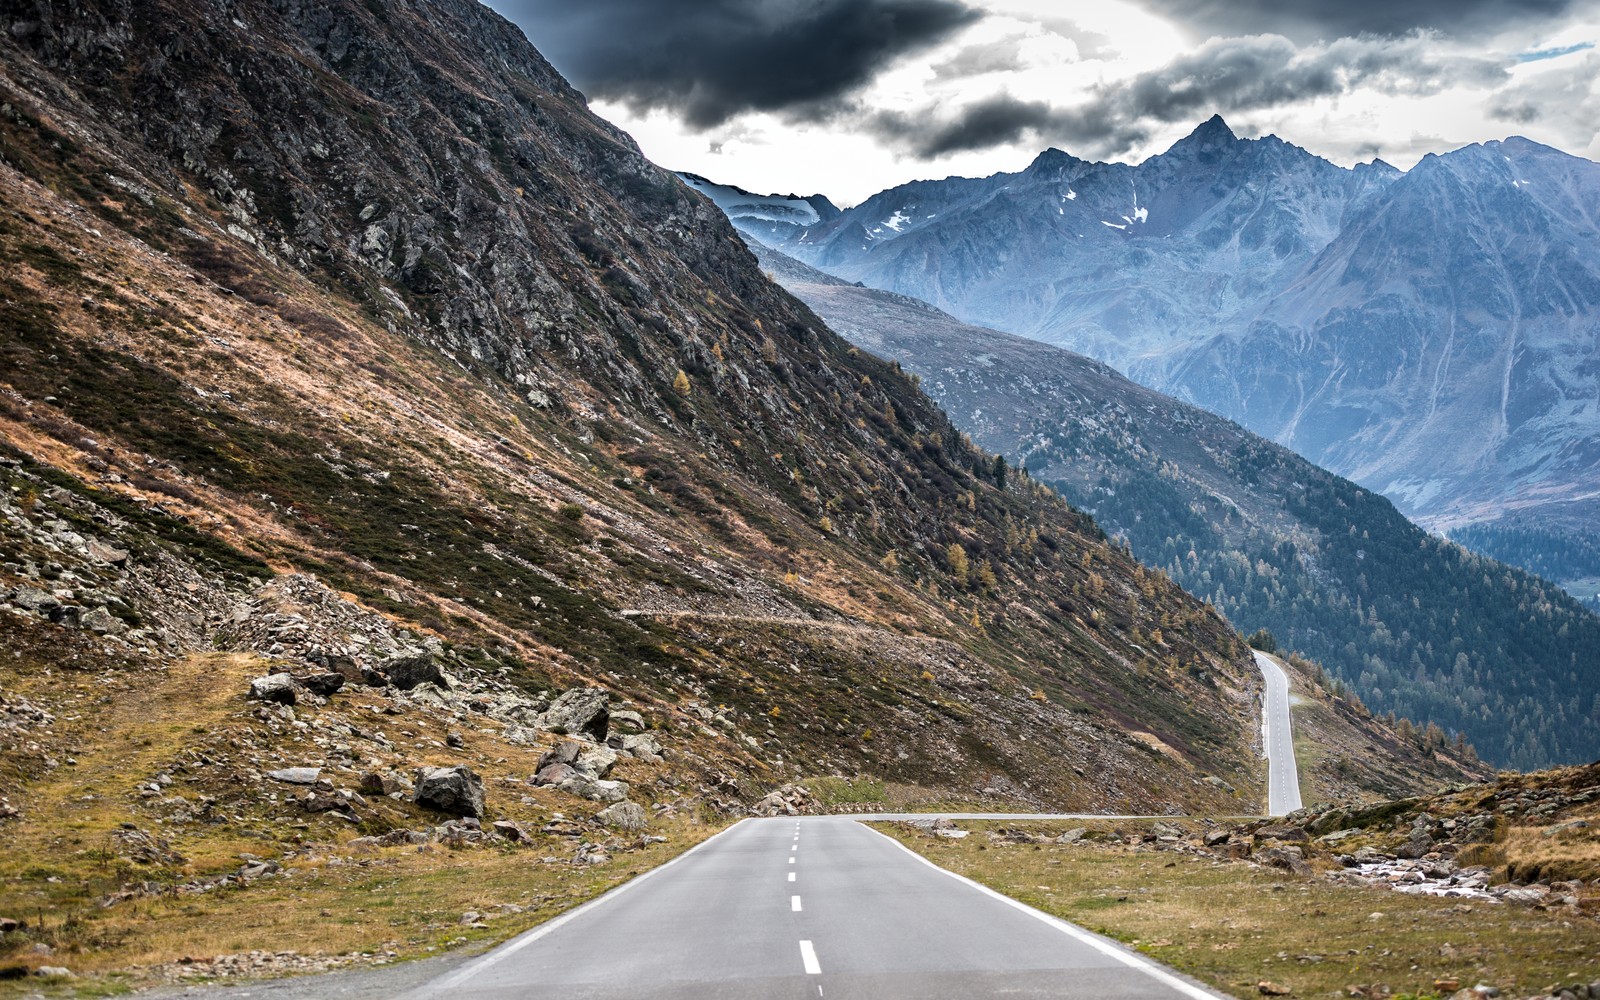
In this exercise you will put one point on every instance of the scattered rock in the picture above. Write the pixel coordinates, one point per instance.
(296, 775)
(579, 712)
(53, 972)
(626, 721)
(323, 684)
(596, 762)
(511, 830)
(628, 816)
(374, 783)
(408, 669)
(790, 800)
(1215, 837)
(453, 790)
(639, 747)
(595, 790)
(279, 688)
(1270, 989)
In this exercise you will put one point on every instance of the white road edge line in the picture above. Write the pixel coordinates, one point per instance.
(1103, 945)
(808, 955)
(794, 904)
(516, 944)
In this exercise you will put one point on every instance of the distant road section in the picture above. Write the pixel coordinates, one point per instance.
(820, 908)
(1283, 776)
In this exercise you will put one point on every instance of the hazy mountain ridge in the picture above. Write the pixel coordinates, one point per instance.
(1273, 541)
(1432, 335)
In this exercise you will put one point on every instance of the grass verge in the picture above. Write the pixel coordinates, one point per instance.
(1234, 925)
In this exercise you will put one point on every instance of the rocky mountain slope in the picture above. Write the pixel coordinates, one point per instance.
(1431, 335)
(444, 341)
(1268, 538)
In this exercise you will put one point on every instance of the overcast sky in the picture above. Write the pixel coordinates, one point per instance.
(849, 97)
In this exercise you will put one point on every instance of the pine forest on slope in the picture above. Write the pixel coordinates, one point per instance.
(1411, 623)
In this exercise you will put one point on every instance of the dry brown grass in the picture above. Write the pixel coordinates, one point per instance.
(1232, 925)
(116, 729)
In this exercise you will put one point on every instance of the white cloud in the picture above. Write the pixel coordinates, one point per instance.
(1115, 81)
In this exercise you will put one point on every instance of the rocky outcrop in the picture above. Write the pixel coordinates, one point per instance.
(455, 790)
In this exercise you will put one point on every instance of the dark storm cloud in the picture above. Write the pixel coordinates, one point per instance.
(709, 60)
(1232, 75)
(1309, 20)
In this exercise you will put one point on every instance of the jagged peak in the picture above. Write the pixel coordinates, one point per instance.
(1211, 135)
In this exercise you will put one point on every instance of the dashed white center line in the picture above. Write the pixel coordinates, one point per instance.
(808, 955)
(794, 904)
(791, 876)
(791, 859)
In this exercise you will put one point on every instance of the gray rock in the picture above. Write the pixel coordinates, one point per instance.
(324, 684)
(102, 622)
(1419, 844)
(1072, 836)
(70, 615)
(596, 762)
(296, 775)
(511, 830)
(53, 972)
(594, 790)
(374, 783)
(627, 721)
(640, 747)
(565, 752)
(554, 774)
(1215, 837)
(406, 670)
(624, 816)
(280, 688)
(579, 712)
(34, 599)
(454, 790)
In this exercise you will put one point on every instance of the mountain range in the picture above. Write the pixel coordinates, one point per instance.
(1406, 621)
(1431, 334)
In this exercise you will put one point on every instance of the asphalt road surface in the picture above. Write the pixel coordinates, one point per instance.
(819, 907)
(1283, 776)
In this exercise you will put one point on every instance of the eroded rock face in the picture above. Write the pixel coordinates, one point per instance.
(454, 790)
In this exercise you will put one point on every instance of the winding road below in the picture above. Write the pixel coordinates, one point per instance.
(1283, 774)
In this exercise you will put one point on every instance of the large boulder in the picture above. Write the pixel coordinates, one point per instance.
(453, 790)
(640, 747)
(594, 790)
(408, 669)
(596, 761)
(280, 688)
(624, 816)
(580, 712)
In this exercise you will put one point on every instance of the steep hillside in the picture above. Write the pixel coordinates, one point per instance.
(1430, 335)
(444, 340)
(1416, 625)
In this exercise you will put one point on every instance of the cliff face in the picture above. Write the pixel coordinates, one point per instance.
(362, 290)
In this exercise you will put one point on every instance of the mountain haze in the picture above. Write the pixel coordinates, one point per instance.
(1431, 334)
(1411, 623)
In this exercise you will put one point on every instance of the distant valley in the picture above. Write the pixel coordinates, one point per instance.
(1413, 624)
(1432, 334)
